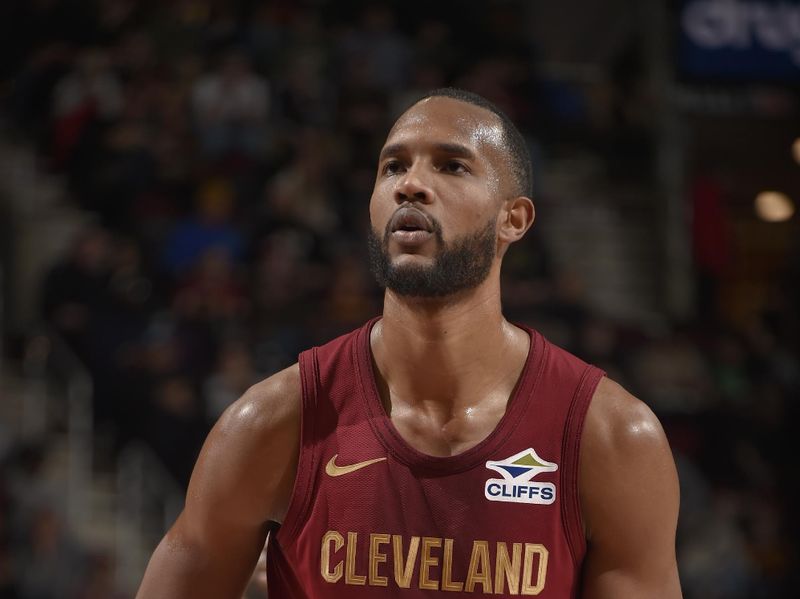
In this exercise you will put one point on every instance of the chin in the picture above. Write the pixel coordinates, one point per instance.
(405, 260)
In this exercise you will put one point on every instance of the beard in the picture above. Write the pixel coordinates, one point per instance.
(458, 266)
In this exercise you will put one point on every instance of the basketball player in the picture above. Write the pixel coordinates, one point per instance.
(439, 448)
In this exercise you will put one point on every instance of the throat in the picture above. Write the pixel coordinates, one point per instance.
(446, 393)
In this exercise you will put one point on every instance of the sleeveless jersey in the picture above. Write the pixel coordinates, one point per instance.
(370, 516)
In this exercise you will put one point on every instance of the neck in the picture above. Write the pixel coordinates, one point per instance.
(451, 351)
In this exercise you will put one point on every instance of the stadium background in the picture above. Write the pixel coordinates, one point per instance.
(183, 192)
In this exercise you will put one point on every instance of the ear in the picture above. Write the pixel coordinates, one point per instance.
(516, 217)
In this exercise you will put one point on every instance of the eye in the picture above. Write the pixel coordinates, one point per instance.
(455, 167)
(392, 167)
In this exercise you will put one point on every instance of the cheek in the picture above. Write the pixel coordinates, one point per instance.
(377, 212)
(482, 204)
(372, 210)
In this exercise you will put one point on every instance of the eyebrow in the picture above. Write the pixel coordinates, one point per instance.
(453, 149)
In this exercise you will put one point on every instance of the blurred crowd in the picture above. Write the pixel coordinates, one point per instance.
(226, 153)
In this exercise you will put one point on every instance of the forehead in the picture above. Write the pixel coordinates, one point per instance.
(447, 120)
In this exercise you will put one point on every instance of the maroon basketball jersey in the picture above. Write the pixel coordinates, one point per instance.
(370, 516)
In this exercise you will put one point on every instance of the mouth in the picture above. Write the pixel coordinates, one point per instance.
(407, 218)
(410, 226)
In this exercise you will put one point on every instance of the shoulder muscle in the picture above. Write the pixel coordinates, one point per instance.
(247, 464)
(242, 480)
(629, 497)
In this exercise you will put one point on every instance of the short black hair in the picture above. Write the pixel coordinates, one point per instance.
(520, 163)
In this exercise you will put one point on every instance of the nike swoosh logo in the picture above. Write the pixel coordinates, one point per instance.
(331, 469)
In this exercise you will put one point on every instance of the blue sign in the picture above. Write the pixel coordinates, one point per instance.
(749, 40)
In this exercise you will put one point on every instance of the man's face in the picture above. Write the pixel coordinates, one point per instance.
(441, 176)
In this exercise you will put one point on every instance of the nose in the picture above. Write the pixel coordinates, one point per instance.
(412, 188)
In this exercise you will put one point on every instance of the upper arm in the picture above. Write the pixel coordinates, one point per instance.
(629, 497)
(242, 480)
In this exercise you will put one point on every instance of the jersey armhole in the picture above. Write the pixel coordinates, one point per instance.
(572, 517)
(302, 491)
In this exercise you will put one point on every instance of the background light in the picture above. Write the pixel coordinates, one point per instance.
(774, 206)
(796, 150)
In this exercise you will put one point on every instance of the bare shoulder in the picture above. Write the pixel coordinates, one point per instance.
(629, 499)
(623, 441)
(242, 480)
(252, 451)
(618, 422)
(266, 406)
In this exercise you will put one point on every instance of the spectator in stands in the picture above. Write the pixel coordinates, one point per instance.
(230, 106)
(377, 52)
(210, 227)
(301, 193)
(90, 93)
(211, 290)
(76, 289)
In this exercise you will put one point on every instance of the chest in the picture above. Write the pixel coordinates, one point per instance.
(494, 527)
(494, 511)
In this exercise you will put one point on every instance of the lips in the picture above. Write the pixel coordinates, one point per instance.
(410, 228)
(409, 219)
